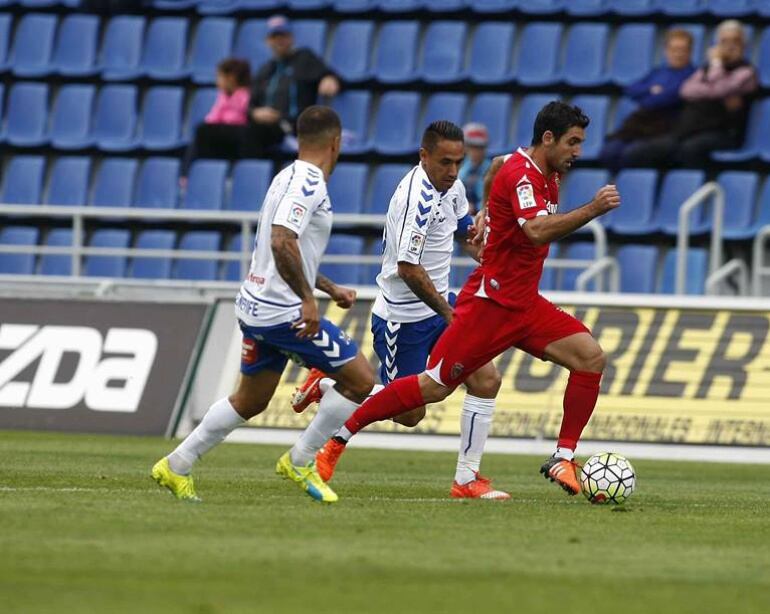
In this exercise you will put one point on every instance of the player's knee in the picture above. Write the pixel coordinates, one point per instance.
(361, 386)
(593, 359)
(487, 386)
(432, 392)
(247, 408)
(411, 418)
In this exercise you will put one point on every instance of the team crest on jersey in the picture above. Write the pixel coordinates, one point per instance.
(297, 214)
(415, 243)
(526, 196)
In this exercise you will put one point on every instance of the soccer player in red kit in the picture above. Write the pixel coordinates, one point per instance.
(500, 307)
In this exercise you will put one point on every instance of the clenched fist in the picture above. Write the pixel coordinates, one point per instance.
(606, 199)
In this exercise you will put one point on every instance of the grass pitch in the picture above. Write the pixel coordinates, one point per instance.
(84, 529)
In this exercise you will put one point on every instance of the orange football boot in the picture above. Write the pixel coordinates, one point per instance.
(327, 457)
(309, 392)
(480, 488)
(563, 472)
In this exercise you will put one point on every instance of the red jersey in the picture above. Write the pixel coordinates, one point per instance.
(511, 265)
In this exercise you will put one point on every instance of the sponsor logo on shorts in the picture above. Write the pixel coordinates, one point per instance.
(415, 243)
(249, 352)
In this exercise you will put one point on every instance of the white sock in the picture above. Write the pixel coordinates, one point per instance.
(475, 420)
(219, 421)
(565, 453)
(325, 384)
(344, 434)
(333, 410)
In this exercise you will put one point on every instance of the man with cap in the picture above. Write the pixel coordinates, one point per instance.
(476, 163)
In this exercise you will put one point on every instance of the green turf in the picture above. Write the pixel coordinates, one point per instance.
(84, 529)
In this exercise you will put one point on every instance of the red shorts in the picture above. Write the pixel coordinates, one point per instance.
(482, 330)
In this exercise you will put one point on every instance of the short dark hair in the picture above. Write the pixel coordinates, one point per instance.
(239, 69)
(317, 125)
(558, 117)
(441, 130)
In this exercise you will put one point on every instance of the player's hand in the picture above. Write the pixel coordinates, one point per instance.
(309, 321)
(329, 86)
(606, 199)
(476, 232)
(266, 115)
(343, 297)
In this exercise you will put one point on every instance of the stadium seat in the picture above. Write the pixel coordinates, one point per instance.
(399, 6)
(250, 43)
(762, 7)
(57, 264)
(444, 6)
(114, 183)
(175, 5)
(211, 43)
(353, 108)
(491, 53)
(677, 187)
(202, 101)
(542, 7)
(528, 109)
(384, 182)
(71, 117)
(548, 277)
(580, 186)
(741, 188)
(353, 6)
(538, 54)
(492, 6)
(638, 268)
(586, 8)
(369, 272)
(697, 268)
(307, 5)
(232, 268)
(311, 33)
(155, 267)
(195, 268)
(250, 182)
(68, 185)
(632, 7)
(75, 52)
(107, 266)
(583, 250)
(156, 187)
(161, 124)
(5, 37)
(632, 53)
(350, 50)
(217, 7)
(23, 180)
(122, 48)
(444, 105)
(763, 211)
(598, 109)
(623, 108)
(585, 54)
(756, 141)
(165, 48)
(32, 45)
(18, 264)
(115, 118)
(347, 187)
(680, 7)
(730, 9)
(763, 58)
(494, 111)
(396, 123)
(443, 52)
(27, 115)
(206, 186)
(636, 216)
(396, 52)
(347, 273)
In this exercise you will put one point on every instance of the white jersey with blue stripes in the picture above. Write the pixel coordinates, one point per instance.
(419, 229)
(298, 200)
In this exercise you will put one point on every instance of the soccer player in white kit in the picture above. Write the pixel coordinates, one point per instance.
(427, 212)
(279, 318)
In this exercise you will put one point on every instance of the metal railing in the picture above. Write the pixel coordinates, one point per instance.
(696, 200)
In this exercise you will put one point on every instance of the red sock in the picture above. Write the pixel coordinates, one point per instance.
(579, 402)
(396, 398)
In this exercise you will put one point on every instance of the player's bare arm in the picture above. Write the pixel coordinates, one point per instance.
(481, 217)
(419, 282)
(547, 228)
(342, 296)
(288, 261)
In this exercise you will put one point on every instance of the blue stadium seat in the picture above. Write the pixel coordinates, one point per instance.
(250, 182)
(491, 52)
(632, 53)
(681, 7)
(730, 8)
(741, 188)
(307, 5)
(763, 213)
(396, 52)
(598, 109)
(33, 45)
(763, 58)
(632, 7)
(548, 278)
(190, 268)
(175, 5)
(71, 117)
(583, 250)
(27, 115)
(580, 186)
(122, 48)
(220, 7)
(697, 267)
(445, 6)
(69, 181)
(384, 182)
(5, 37)
(353, 108)
(202, 101)
(585, 54)
(347, 273)
(156, 187)
(18, 264)
(107, 266)
(623, 108)
(350, 50)
(586, 8)
(114, 183)
(399, 6)
(75, 52)
(538, 54)
(444, 105)
(165, 48)
(542, 7)
(211, 43)
(756, 142)
(115, 118)
(311, 33)
(396, 123)
(762, 7)
(232, 270)
(250, 43)
(677, 187)
(353, 6)
(161, 124)
(206, 186)
(638, 268)
(492, 6)
(369, 272)
(57, 264)
(494, 111)
(154, 267)
(23, 180)
(528, 109)
(347, 187)
(443, 52)
(636, 215)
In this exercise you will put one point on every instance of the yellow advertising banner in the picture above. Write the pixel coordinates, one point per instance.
(699, 376)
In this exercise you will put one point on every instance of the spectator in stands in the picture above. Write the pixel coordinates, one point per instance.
(717, 100)
(476, 163)
(657, 95)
